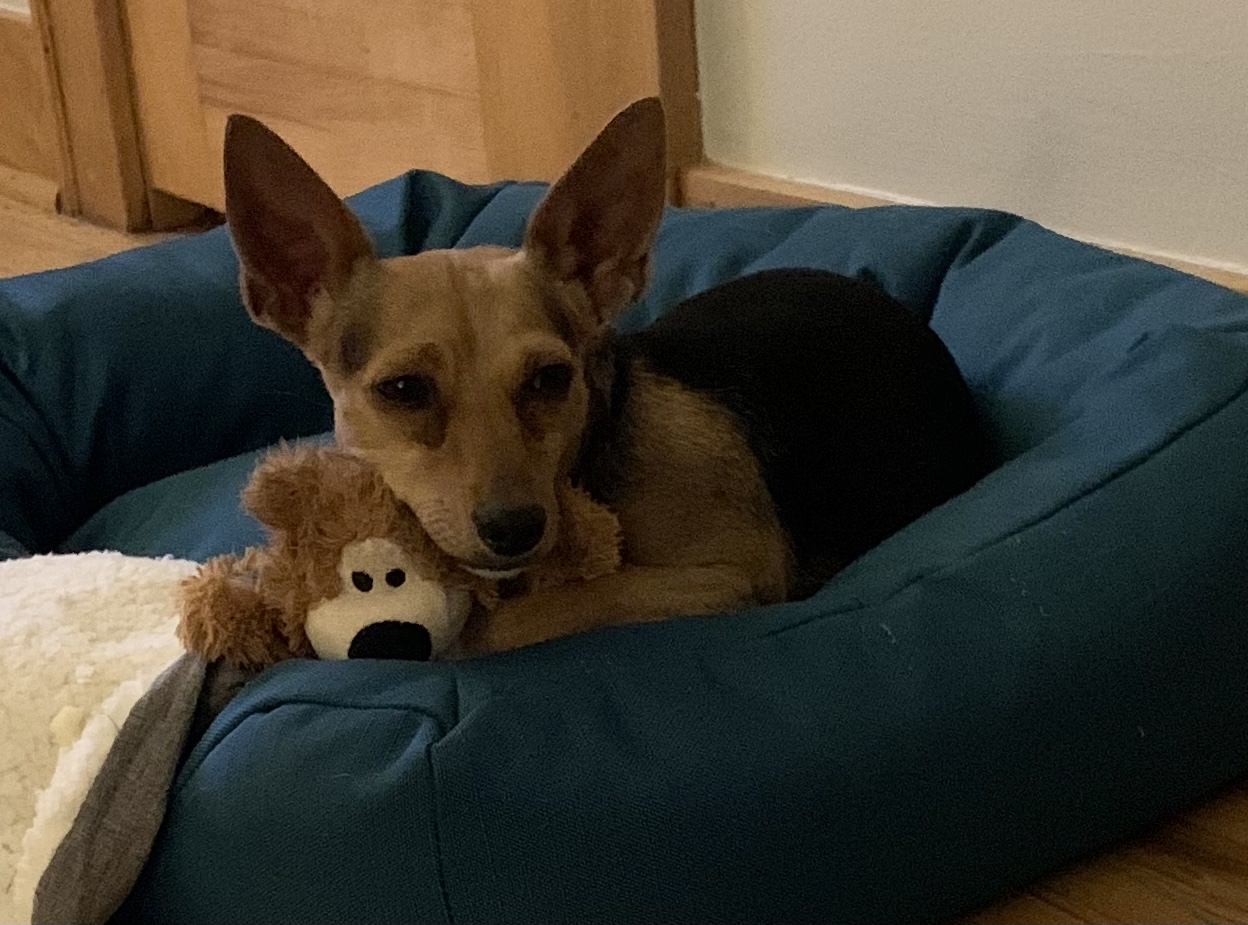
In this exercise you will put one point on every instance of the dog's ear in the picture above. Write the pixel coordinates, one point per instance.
(294, 237)
(596, 225)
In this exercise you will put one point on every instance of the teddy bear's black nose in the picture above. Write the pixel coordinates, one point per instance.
(392, 639)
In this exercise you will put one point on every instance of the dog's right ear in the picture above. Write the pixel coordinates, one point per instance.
(294, 237)
(595, 227)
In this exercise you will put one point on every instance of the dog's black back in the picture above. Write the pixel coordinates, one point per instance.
(856, 411)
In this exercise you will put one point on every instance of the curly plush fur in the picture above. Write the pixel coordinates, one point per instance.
(314, 501)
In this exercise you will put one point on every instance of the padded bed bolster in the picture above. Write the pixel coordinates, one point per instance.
(899, 748)
(875, 754)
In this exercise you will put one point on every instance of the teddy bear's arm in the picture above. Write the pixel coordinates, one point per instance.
(223, 616)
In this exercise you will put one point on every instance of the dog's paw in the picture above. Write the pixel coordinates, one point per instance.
(511, 624)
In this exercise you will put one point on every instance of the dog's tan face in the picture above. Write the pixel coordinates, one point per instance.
(459, 374)
(452, 379)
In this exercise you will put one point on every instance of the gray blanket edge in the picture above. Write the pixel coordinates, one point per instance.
(99, 861)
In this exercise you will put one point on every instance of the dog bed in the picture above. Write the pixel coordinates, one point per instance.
(1040, 666)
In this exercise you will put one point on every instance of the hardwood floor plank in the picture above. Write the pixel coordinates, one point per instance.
(1025, 909)
(33, 240)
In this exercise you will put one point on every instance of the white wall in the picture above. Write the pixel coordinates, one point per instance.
(15, 6)
(1123, 121)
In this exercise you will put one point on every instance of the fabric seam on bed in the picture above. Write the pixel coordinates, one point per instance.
(499, 188)
(195, 762)
(435, 822)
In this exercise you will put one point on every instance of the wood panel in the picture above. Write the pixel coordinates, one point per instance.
(363, 91)
(172, 130)
(416, 43)
(678, 87)
(715, 185)
(101, 169)
(354, 130)
(28, 142)
(553, 72)
(476, 89)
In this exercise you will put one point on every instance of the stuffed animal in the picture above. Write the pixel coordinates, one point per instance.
(349, 572)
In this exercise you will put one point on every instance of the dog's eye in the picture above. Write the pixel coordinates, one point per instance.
(551, 381)
(414, 392)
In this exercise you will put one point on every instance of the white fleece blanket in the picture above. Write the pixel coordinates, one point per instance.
(82, 637)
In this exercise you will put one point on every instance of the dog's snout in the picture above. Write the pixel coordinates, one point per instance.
(395, 639)
(510, 531)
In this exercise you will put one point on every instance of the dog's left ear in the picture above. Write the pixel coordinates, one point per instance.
(294, 237)
(597, 223)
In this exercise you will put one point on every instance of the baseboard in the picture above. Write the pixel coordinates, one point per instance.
(714, 185)
(1231, 279)
(29, 189)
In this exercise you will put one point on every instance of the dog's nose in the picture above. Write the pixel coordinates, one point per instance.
(392, 639)
(510, 531)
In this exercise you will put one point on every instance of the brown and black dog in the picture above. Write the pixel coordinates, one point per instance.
(753, 441)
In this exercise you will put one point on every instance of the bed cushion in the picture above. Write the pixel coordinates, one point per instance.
(1040, 666)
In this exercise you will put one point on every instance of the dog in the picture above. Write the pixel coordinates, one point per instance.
(753, 441)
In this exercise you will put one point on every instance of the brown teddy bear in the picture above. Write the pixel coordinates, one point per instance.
(349, 572)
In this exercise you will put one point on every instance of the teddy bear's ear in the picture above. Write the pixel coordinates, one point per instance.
(283, 486)
(223, 615)
(292, 481)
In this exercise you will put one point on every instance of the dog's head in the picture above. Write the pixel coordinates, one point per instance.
(460, 374)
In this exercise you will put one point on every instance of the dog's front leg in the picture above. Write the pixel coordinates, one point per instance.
(634, 594)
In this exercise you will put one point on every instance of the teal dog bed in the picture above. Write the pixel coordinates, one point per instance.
(1042, 665)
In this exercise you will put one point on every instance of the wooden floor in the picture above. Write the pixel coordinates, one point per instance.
(31, 240)
(1191, 869)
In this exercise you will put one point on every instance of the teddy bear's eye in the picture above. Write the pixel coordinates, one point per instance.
(362, 581)
(395, 577)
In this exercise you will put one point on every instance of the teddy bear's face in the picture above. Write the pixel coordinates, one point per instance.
(386, 609)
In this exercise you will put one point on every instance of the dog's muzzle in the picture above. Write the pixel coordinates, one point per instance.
(510, 531)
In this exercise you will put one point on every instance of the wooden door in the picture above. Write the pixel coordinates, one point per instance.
(476, 89)
(29, 154)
